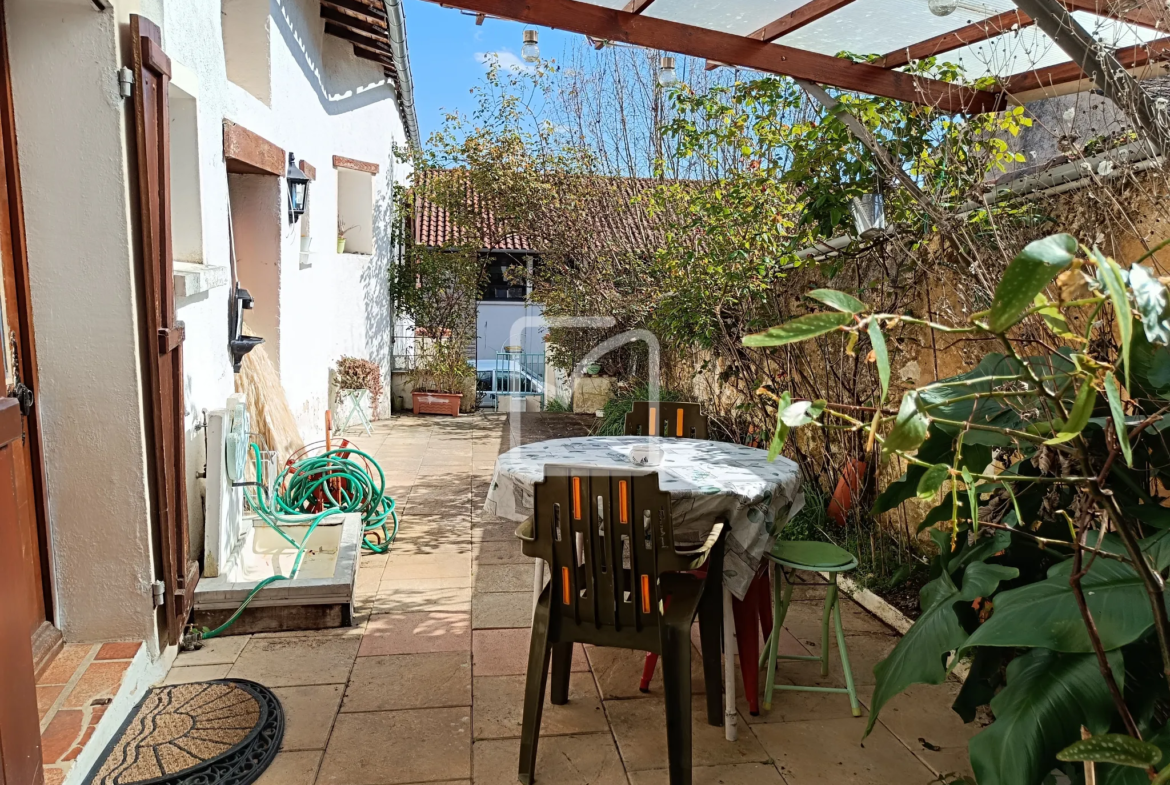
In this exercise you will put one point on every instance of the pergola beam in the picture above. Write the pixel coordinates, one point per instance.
(652, 33)
(1138, 16)
(1129, 57)
(798, 18)
(956, 39)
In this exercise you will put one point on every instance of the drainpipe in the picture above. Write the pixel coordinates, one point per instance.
(396, 33)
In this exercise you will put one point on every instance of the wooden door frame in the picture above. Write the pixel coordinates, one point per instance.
(47, 641)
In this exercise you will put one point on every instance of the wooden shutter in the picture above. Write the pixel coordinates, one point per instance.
(152, 71)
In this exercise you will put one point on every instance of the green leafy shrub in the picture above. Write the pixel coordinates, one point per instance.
(1053, 541)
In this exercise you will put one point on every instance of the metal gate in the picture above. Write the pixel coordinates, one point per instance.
(518, 375)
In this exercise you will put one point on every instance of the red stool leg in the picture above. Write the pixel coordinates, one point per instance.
(648, 671)
(762, 585)
(747, 639)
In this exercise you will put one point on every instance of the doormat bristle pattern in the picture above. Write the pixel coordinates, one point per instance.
(222, 732)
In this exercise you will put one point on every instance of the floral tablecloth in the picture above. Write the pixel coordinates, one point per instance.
(706, 480)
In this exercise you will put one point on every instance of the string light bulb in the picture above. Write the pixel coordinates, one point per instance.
(667, 76)
(530, 52)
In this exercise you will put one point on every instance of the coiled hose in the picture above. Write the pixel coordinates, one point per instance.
(320, 486)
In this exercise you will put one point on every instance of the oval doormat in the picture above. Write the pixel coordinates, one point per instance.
(222, 732)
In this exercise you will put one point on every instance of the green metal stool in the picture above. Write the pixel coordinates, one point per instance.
(811, 557)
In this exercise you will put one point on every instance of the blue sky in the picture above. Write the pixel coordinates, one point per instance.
(446, 47)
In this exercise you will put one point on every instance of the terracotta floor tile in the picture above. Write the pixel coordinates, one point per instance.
(308, 714)
(423, 594)
(65, 664)
(100, 680)
(829, 752)
(46, 696)
(284, 662)
(502, 610)
(499, 708)
(740, 774)
(501, 553)
(804, 619)
(619, 672)
(495, 530)
(640, 729)
(491, 578)
(180, 675)
(54, 776)
(504, 652)
(119, 651)
(64, 729)
(415, 633)
(389, 747)
(292, 768)
(441, 565)
(215, 651)
(409, 681)
(563, 760)
(922, 718)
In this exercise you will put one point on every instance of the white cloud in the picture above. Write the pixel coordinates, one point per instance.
(508, 60)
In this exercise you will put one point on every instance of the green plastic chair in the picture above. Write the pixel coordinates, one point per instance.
(810, 557)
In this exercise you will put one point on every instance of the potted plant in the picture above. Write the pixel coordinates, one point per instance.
(440, 376)
(355, 375)
(342, 229)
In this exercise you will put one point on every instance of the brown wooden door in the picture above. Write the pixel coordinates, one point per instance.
(20, 380)
(152, 71)
(20, 733)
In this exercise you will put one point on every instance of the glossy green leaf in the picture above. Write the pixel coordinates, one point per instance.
(1048, 697)
(1114, 279)
(839, 300)
(1045, 613)
(1027, 275)
(799, 329)
(910, 426)
(881, 356)
(1078, 415)
(918, 657)
(782, 429)
(1150, 514)
(1114, 395)
(1112, 748)
(932, 479)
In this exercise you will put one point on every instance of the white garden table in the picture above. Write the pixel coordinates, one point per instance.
(707, 481)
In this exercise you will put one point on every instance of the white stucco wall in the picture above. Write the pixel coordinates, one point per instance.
(82, 233)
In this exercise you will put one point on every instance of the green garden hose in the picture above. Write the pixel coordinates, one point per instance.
(334, 480)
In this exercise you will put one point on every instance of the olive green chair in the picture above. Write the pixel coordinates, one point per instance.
(666, 418)
(810, 557)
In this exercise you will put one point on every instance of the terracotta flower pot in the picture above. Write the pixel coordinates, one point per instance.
(436, 403)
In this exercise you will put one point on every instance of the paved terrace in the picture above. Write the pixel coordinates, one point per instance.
(428, 687)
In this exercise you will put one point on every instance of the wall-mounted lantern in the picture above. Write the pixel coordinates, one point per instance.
(238, 343)
(298, 190)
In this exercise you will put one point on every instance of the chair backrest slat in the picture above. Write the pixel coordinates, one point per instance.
(666, 419)
(608, 536)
